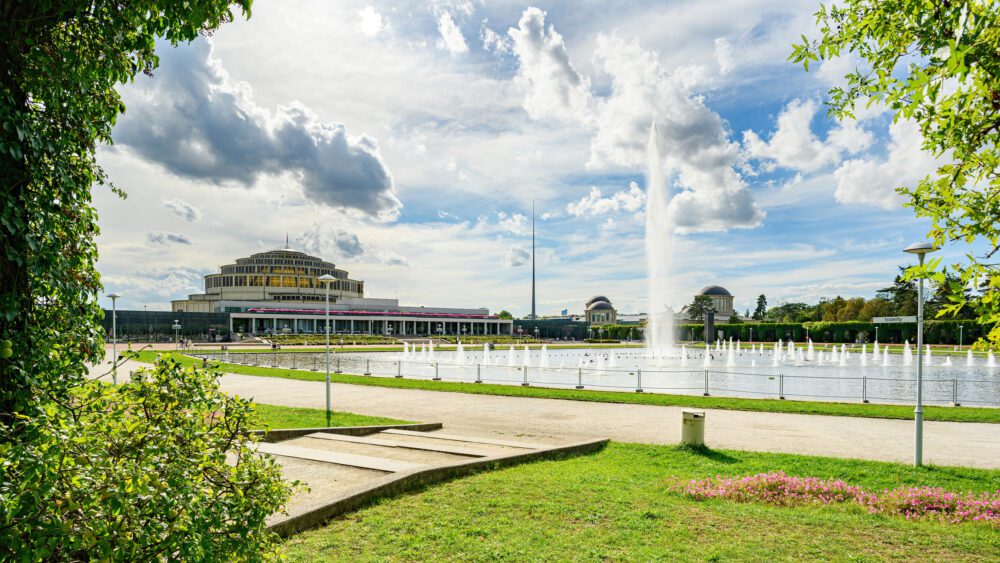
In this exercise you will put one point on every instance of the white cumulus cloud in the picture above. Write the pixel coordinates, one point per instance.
(724, 55)
(873, 181)
(552, 87)
(451, 37)
(513, 223)
(594, 204)
(794, 145)
(192, 119)
(369, 21)
(693, 139)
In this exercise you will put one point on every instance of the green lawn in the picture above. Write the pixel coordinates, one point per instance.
(617, 505)
(954, 414)
(279, 417)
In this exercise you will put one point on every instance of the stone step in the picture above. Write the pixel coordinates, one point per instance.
(442, 448)
(353, 460)
(468, 439)
(428, 457)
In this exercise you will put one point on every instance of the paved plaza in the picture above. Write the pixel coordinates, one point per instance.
(554, 420)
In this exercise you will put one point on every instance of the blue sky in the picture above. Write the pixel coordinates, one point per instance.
(407, 141)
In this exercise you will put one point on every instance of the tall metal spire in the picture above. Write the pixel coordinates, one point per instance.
(286, 242)
(533, 315)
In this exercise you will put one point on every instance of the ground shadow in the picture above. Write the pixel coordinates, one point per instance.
(709, 453)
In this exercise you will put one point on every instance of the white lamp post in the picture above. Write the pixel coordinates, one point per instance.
(326, 279)
(920, 249)
(114, 337)
(177, 334)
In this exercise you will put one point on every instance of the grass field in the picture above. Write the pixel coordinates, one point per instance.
(278, 417)
(954, 414)
(618, 505)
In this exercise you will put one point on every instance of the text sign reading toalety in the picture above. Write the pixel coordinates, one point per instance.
(911, 319)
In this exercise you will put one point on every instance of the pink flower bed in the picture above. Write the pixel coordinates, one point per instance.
(780, 489)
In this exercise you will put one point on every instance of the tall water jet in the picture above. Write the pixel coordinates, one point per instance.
(907, 354)
(510, 357)
(927, 355)
(875, 352)
(684, 356)
(543, 360)
(811, 353)
(991, 360)
(968, 358)
(659, 252)
(486, 354)
(460, 353)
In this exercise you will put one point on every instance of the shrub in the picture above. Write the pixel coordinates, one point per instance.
(161, 467)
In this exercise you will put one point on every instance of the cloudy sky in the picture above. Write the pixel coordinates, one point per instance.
(406, 142)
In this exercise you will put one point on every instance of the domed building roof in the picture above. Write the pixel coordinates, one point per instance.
(600, 306)
(597, 298)
(717, 290)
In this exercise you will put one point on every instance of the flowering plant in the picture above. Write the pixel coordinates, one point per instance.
(780, 489)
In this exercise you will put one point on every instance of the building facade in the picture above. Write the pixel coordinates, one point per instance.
(600, 311)
(279, 292)
(283, 276)
(722, 301)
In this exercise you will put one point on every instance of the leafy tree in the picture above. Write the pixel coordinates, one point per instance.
(792, 313)
(139, 472)
(505, 314)
(701, 306)
(877, 307)
(761, 311)
(937, 64)
(61, 62)
(902, 296)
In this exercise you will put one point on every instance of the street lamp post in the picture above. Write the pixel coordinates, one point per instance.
(326, 279)
(960, 327)
(177, 334)
(920, 249)
(114, 337)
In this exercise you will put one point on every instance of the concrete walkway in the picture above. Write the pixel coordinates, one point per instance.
(554, 420)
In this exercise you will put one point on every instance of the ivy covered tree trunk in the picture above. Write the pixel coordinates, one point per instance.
(139, 471)
(48, 284)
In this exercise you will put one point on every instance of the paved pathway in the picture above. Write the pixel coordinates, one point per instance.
(552, 420)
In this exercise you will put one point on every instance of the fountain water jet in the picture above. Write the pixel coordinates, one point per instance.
(659, 252)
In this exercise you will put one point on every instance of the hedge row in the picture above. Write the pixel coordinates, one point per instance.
(617, 332)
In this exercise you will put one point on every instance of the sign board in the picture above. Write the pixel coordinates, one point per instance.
(878, 320)
(176, 327)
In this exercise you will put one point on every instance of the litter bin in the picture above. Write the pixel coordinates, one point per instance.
(693, 428)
